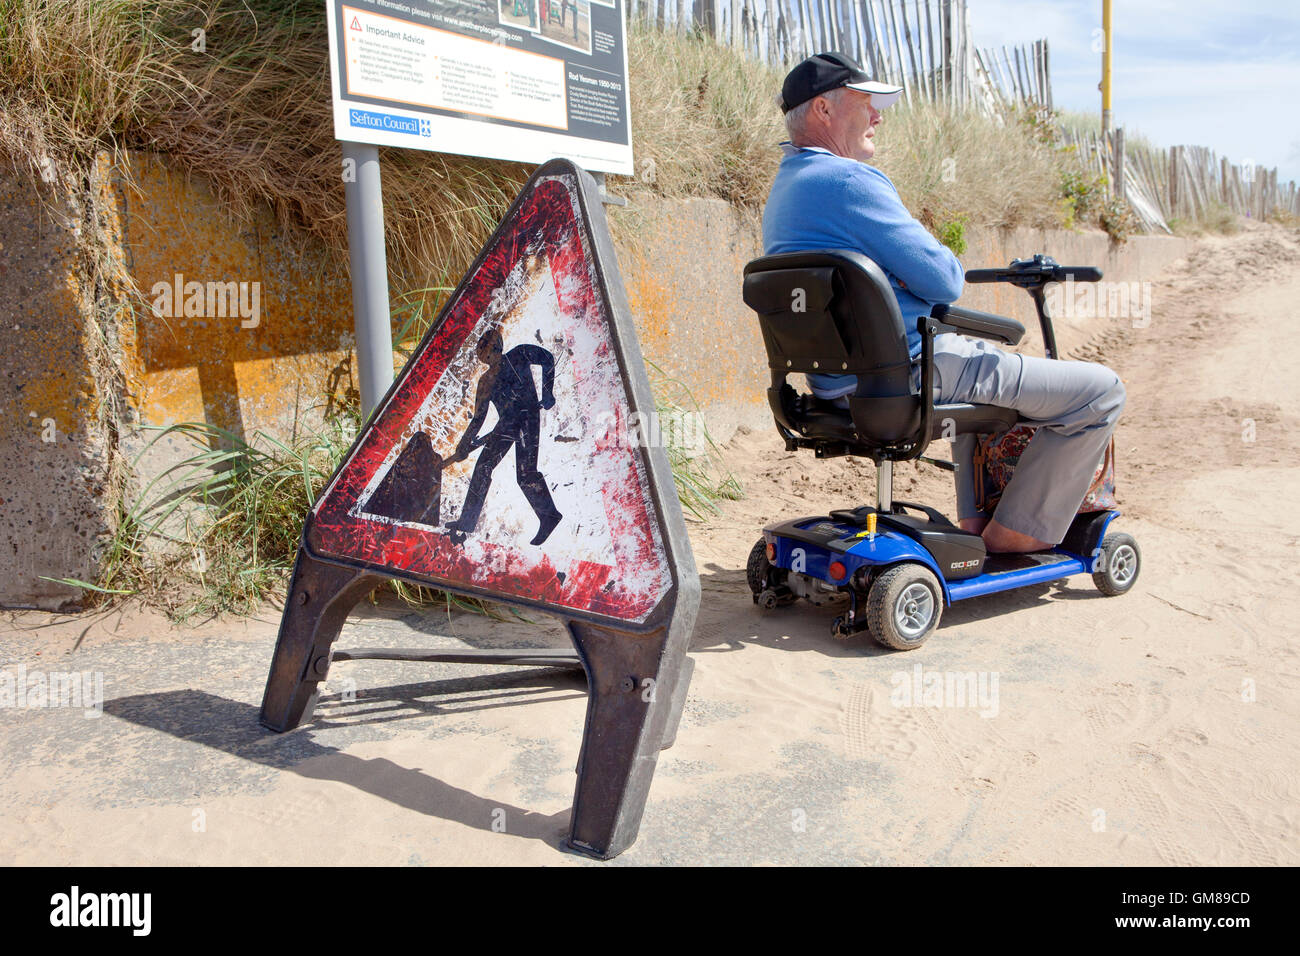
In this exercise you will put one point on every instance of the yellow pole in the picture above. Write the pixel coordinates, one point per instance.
(1105, 69)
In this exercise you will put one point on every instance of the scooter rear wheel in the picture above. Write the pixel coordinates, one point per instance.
(757, 568)
(766, 583)
(904, 606)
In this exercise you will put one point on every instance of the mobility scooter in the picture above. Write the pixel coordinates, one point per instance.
(898, 563)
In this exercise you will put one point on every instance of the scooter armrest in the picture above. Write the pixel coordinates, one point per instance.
(984, 325)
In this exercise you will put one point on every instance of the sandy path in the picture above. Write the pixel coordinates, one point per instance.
(1155, 728)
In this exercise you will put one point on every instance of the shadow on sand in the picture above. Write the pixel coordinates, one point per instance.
(231, 727)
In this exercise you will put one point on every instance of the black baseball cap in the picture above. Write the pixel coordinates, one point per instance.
(824, 72)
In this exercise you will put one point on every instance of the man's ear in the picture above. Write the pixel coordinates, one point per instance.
(821, 108)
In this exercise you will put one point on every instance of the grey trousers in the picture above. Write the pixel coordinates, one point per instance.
(1075, 406)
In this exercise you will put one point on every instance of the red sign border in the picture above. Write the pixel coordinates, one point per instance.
(663, 512)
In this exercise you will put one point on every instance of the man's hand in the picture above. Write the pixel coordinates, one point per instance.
(462, 451)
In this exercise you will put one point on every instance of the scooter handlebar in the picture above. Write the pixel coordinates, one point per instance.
(1032, 275)
(1035, 274)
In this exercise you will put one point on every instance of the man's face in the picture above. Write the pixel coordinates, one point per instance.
(852, 123)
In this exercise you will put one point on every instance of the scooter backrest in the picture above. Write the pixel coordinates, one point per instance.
(830, 312)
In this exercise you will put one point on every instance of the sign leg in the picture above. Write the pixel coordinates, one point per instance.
(678, 702)
(636, 686)
(320, 597)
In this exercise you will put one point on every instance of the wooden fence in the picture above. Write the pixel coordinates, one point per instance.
(1189, 183)
(921, 45)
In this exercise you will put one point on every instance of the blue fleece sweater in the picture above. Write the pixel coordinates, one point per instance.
(823, 201)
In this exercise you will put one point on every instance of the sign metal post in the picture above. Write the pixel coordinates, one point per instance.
(363, 192)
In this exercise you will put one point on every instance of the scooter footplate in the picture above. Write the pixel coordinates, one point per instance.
(1004, 563)
(1003, 572)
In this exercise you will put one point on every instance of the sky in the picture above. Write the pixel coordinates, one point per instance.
(1220, 74)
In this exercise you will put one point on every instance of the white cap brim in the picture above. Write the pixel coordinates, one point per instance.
(882, 94)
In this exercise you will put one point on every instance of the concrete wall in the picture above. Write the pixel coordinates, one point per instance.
(87, 351)
(262, 371)
(681, 263)
(58, 441)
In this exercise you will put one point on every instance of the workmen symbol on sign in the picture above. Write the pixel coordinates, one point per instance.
(411, 490)
(508, 384)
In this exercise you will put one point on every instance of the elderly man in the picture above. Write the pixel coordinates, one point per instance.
(826, 197)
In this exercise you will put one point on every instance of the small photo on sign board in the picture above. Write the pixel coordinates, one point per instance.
(568, 23)
(520, 14)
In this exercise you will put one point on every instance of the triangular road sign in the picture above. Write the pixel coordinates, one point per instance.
(500, 463)
(355, 24)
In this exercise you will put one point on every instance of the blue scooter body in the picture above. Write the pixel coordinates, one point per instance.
(810, 546)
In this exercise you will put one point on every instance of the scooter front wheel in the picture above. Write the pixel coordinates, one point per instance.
(904, 606)
(1118, 564)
